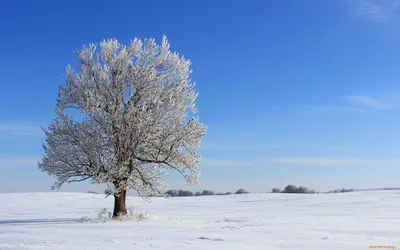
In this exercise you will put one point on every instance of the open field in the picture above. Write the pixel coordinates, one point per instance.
(250, 221)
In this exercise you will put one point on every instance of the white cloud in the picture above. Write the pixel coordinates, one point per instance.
(331, 110)
(336, 161)
(355, 104)
(370, 102)
(392, 97)
(379, 10)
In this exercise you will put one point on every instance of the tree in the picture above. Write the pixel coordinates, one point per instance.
(290, 189)
(183, 193)
(241, 191)
(172, 193)
(302, 190)
(208, 192)
(136, 121)
(276, 190)
(188, 193)
(198, 193)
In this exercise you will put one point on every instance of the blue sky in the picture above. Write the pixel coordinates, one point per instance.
(303, 92)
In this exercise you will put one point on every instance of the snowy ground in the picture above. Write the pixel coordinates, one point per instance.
(252, 221)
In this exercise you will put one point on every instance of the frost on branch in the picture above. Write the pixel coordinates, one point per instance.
(136, 106)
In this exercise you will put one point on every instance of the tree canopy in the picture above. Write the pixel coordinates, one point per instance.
(136, 106)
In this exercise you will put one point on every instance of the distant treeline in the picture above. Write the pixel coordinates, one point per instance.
(292, 189)
(185, 193)
(343, 190)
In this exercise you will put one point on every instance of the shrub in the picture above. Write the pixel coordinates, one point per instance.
(241, 191)
(343, 190)
(197, 193)
(103, 214)
(347, 190)
(135, 215)
(276, 190)
(227, 193)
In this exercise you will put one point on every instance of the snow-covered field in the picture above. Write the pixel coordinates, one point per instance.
(251, 221)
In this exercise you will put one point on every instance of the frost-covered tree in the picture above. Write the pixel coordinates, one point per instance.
(136, 120)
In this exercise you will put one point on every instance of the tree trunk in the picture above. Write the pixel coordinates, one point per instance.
(120, 204)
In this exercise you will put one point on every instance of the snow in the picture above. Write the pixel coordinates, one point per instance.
(248, 221)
